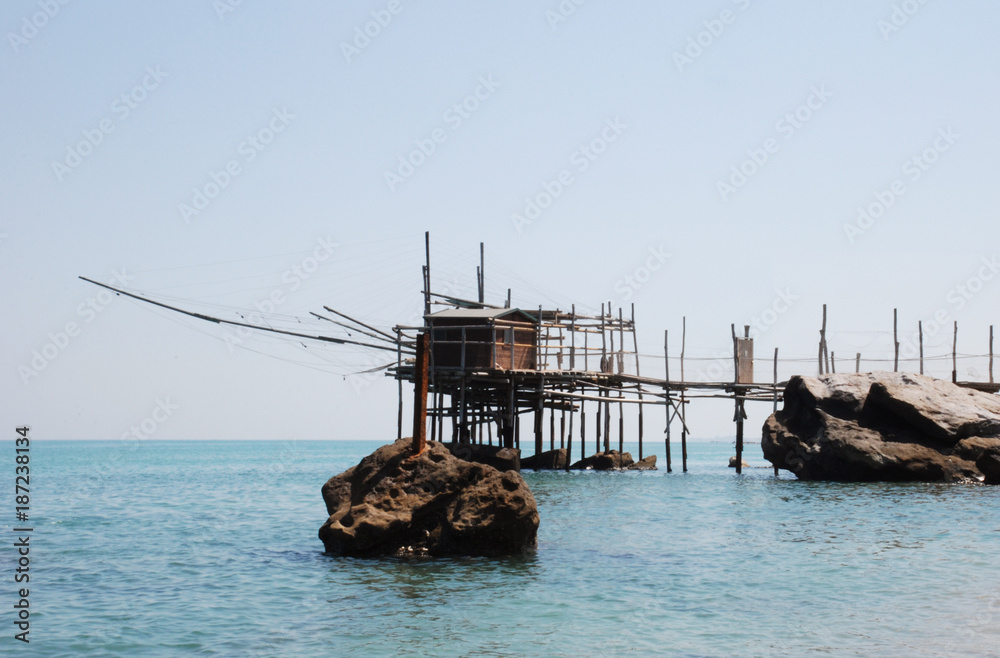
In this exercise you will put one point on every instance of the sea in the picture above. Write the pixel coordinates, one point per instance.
(210, 548)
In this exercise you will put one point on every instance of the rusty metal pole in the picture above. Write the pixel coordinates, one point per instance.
(421, 371)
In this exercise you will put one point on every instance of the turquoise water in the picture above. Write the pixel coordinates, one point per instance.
(210, 548)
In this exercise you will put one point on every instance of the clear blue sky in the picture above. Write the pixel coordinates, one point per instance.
(117, 118)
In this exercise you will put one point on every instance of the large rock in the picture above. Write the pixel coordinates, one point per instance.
(612, 460)
(392, 503)
(550, 460)
(644, 464)
(884, 426)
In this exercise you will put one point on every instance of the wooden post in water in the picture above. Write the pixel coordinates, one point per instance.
(635, 346)
(684, 428)
(552, 428)
(539, 410)
(920, 334)
(420, 394)
(775, 409)
(740, 413)
(666, 391)
(583, 427)
(895, 340)
(569, 437)
(740, 416)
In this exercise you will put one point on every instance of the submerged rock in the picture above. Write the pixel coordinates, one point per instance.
(742, 462)
(884, 426)
(612, 460)
(549, 460)
(644, 464)
(392, 503)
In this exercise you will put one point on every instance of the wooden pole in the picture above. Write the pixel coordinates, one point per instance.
(822, 340)
(427, 273)
(538, 420)
(920, 333)
(857, 362)
(736, 356)
(833, 362)
(552, 429)
(635, 346)
(399, 385)
(420, 394)
(684, 442)
(736, 398)
(895, 340)
(991, 354)
(740, 414)
(572, 339)
(482, 274)
(583, 428)
(954, 355)
(775, 409)
(666, 390)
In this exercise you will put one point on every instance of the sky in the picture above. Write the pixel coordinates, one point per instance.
(714, 163)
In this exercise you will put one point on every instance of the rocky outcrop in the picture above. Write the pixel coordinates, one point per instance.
(612, 460)
(549, 460)
(394, 503)
(884, 426)
(644, 464)
(502, 459)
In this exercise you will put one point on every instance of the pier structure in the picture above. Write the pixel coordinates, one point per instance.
(477, 368)
(576, 375)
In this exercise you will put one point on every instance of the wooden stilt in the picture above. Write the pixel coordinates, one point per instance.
(775, 407)
(954, 355)
(635, 346)
(399, 385)
(895, 340)
(920, 334)
(666, 393)
(420, 395)
(684, 430)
